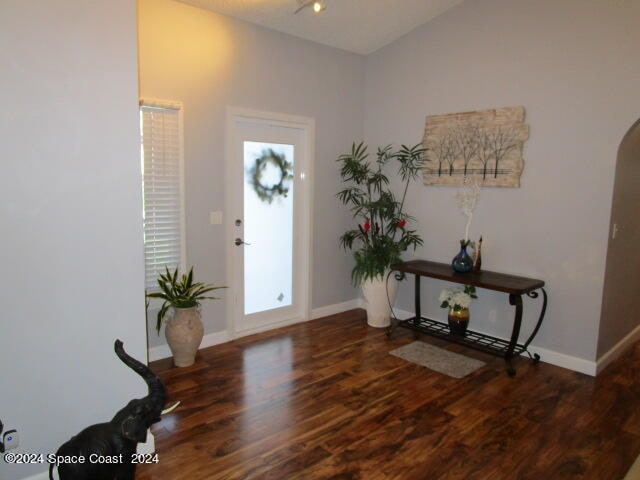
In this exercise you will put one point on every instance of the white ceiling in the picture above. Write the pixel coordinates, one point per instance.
(360, 26)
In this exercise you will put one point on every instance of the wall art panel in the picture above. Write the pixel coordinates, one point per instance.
(484, 144)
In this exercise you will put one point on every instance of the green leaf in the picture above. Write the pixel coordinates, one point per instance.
(190, 277)
(368, 194)
(161, 313)
(180, 292)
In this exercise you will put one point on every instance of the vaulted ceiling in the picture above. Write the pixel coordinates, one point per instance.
(360, 26)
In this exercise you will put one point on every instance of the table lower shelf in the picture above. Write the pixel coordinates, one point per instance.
(478, 341)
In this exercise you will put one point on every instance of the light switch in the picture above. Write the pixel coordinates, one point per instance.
(215, 218)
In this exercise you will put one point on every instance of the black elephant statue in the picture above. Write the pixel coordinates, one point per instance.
(107, 451)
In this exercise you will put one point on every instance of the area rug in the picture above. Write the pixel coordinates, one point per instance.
(434, 358)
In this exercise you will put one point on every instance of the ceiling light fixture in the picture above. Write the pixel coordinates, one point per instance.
(317, 5)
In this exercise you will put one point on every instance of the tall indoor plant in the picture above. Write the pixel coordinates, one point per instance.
(382, 233)
(184, 329)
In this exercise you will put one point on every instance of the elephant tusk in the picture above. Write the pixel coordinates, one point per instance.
(170, 409)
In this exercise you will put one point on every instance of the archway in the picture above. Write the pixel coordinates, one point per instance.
(618, 320)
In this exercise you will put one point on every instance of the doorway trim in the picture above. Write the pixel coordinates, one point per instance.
(305, 176)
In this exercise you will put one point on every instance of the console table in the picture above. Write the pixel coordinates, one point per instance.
(513, 285)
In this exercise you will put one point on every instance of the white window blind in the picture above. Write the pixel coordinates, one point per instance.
(162, 190)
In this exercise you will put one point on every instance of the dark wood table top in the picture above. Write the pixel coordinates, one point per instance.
(500, 282)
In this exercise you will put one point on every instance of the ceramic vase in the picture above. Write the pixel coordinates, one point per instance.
(462, 262)
(458, 321)
(379, 294)
(184, 333)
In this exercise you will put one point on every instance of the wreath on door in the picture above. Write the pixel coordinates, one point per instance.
(267, 193)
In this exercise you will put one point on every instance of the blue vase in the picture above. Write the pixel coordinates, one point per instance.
(462, 262)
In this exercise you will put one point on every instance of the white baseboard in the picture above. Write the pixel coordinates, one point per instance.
(617, 349)
(314, 314)
(558, 359)
(336, 308)
(216, 338)
(209, 340)
(41, 476)
(149, 446)
(401, 314)
(265, 328)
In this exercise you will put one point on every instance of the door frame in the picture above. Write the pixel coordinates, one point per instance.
(304, 176)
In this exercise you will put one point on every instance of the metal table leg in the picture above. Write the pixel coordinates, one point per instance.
(515, 300)
(536, 357)
(416, 320)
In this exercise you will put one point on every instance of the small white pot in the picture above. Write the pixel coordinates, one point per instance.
(379, 294)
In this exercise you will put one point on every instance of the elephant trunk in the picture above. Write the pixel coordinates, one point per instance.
(157, 393)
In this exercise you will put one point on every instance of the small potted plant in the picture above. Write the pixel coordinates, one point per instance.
(184, 329)
(383, 229)
(458, 301)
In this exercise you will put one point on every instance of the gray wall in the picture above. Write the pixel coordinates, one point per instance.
(209, 61)
(70, 208)
(574, 66)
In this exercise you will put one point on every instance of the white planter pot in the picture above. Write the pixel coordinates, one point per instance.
(184, 334)
(379, 294)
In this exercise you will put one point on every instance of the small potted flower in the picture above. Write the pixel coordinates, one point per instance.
(458, 300)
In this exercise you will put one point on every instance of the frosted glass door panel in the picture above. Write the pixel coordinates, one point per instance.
(268, 226)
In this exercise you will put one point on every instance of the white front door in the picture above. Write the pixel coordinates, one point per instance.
(268, 239)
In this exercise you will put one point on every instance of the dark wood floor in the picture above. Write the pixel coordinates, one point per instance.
(325, 400)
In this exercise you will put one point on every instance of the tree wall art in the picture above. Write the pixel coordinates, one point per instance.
(484, 144)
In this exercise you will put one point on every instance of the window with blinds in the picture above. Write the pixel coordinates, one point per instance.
(162, 178)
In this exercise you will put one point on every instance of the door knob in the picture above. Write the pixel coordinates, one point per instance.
(238, 242)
